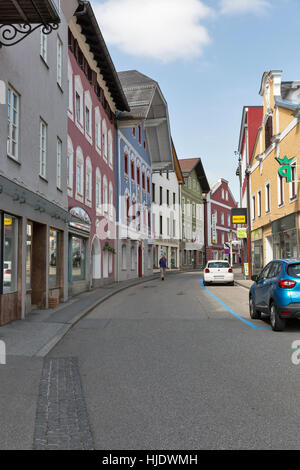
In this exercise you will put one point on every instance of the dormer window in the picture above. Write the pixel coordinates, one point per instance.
(269, 132)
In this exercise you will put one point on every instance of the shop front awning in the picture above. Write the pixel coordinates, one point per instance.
(19, 18)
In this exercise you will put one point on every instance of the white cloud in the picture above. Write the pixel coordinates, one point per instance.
(244, 6)
(161, 29)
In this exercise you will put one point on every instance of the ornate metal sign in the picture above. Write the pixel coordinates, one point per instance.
(10, 35)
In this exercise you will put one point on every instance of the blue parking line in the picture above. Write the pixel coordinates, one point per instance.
(231, 311)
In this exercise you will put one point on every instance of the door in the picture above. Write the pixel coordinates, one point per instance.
(140, 261)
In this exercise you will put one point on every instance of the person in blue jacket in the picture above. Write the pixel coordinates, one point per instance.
(163, 267)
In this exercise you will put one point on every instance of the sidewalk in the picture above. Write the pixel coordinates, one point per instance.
(43, 329)
(239, 279)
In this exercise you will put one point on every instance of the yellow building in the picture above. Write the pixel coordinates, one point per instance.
(274, 203)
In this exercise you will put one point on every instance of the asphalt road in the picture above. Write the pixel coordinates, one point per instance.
(167, 366)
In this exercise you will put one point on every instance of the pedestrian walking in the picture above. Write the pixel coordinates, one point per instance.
(163, 267)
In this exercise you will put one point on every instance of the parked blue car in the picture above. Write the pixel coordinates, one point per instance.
(276, 292)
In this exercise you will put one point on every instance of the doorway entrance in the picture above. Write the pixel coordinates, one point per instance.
(140, 261)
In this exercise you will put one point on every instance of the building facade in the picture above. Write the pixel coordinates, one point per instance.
(220, 230)
(143, 147)
(167, 215)
(95, 93)
(274, 173)
(193, 249)
(33, 202)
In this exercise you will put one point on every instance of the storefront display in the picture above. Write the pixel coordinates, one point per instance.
(9, 249)
(77, 258)
(285, 244)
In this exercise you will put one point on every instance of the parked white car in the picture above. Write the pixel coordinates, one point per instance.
(219, 272)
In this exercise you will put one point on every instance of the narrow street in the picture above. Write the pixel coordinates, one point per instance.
(166, 366)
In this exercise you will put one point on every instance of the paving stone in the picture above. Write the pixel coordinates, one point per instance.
(62, 421)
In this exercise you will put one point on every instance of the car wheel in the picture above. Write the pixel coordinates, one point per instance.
(254, 313)
(277, 323)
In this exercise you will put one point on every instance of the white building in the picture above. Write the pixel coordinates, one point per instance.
(166, 215)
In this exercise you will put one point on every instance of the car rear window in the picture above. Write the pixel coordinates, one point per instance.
(218, 265)
(294, 270)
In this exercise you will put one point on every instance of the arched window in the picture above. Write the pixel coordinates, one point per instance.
(105, 194)
(111, 200)
(88, 181)
(98, 129)
(98, 191)
(79, 173)
(269, 132)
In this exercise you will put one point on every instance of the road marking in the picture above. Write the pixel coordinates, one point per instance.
(255, 327)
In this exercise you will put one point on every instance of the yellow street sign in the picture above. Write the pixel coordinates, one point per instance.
(239, 219)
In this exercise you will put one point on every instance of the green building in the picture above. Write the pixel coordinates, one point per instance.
(193, 191)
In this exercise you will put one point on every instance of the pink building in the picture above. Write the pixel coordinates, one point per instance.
(220, 230)
(95, 94)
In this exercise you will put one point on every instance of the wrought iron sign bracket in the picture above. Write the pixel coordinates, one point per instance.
(12, 34)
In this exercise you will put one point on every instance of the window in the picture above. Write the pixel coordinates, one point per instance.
(105, 194)
(79, 174)
(160, 225)
(87, 120)
(183, 205)
(13, 102)
(43, 148)
(168, 226)
(98, 190)
(168, 197)
(138, 176)
(223, 238)
(140, 134)
(110, 148)
(253, 208)
(43, 43)
(268, 132)
(126, 163)
(104, 138)
(53, 259)
(153, 192)
(160, 196)
(268, 208)
(228, 221)
(280, 191)
(88, 181)
(79, 102)
(58, 164)
(111, 201)
(143, 181)
(78, 259)
(59, 61)
(226, 195)
(132, 170)
(148, 184)
(174, 200)
(293, 185)
(223, 194)
(259, 204)
(10, 253)
(97, 130)
(222, 219)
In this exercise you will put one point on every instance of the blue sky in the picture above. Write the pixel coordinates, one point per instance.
(208, 57)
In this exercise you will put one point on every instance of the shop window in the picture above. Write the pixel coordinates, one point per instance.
(29, 231)
(78, 258)
(53, 259)
(10, 253)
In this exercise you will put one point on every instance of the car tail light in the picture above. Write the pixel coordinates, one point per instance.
(230, 270)
(285, 314)
(207, 271)
(286, 284)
